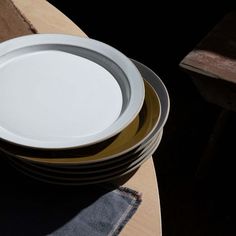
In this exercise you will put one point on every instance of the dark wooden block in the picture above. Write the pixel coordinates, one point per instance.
(212, 64)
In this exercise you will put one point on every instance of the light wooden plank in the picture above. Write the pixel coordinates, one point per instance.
(45, 18)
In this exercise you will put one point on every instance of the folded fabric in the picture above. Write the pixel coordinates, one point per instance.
(105, 217)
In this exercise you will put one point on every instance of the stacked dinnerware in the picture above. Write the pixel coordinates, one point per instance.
(76, 111)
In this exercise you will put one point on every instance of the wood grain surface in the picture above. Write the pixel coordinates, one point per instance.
(215, 55)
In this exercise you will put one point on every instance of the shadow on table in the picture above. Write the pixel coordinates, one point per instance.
(29, 207)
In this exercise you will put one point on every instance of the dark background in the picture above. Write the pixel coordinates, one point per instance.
(160, 35)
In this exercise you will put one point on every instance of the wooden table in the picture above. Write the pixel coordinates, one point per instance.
(22, 17)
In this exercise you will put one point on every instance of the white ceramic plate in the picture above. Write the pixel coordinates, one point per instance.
(61, 91)
(126, 142)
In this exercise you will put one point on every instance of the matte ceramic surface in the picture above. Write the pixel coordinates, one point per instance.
(127, 141)
(61, 91)
(162, 92)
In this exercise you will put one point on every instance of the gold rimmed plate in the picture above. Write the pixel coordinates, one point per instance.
(94, 169)
(90, 179)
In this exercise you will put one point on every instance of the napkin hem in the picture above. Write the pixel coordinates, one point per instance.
(127, 215)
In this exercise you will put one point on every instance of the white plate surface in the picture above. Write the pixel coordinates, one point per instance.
(60, 91)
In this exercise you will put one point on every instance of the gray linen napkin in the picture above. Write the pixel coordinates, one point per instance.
(105, 217)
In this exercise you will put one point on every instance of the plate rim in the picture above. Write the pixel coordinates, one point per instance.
(127, 66)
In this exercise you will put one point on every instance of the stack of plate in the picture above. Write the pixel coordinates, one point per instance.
(77, 111)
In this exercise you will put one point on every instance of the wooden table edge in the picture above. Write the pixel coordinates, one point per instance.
(39, 16)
